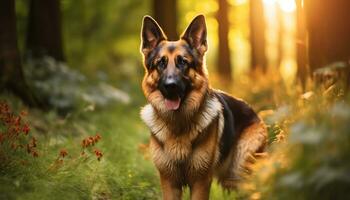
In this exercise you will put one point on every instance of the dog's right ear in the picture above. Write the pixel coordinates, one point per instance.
(196, 34)
(151, 34)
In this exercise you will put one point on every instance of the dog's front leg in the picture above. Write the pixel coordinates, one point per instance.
(170, 190)
(200, 188)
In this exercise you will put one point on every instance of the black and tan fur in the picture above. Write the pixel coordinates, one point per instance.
(211, 134)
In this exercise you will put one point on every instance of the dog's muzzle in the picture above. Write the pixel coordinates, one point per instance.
(173, 89)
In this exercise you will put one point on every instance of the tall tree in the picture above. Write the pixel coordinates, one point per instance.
(257, 35)
(11, 74)
(224, 56)
(44, 36)
(302, 73)
(165, 13)
(328, 26)
(280, 33)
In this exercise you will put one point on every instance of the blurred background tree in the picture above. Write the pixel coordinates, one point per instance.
(280, 31)
(165, 13)
(11, 73)
(224, 55)
(329, 30)
(44, 34)
(301, 43)
(257, 35)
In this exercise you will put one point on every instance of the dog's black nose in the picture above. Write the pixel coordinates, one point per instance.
(170, 87)
(171, 84)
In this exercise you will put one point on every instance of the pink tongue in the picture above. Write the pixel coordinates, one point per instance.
(172, 104)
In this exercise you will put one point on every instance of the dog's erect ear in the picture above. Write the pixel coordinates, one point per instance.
(196, 34)
(151, 34)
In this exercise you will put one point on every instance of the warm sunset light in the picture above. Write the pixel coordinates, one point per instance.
(269, 2)
(285, 5)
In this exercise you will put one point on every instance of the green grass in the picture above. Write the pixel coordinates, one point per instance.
(123, 173)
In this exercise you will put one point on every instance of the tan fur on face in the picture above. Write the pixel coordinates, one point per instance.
(198, 79)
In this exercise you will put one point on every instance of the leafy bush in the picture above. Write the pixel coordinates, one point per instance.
(310, 150)
(65, 89)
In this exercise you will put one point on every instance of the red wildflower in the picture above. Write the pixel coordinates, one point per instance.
(63, 153)
(17, 121)
(24, 113)
(14, 126)
(85, 143)
(26, 129)
(92, 140)
(98, 154)
(16, 130)
(97, 137)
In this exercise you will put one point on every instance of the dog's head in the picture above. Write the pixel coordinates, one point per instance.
(176, 76)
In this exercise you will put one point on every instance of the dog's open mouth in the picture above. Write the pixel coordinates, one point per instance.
(172, 104)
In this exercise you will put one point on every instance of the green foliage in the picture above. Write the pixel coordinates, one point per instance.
(309, 143)
(319, 139)
(103, 34)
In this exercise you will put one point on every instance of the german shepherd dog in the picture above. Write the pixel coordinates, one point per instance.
(197, 133)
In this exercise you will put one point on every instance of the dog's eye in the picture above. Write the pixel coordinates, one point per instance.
(162, 63)
(181, 62)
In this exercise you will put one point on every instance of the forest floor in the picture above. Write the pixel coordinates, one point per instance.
(101, 153)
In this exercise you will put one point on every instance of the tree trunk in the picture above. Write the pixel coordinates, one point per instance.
(165, 14)
(328, 26)
(224, 56)
(302, 73)
(44, 35)
(257, 35)
(11, 74)
(281, 31)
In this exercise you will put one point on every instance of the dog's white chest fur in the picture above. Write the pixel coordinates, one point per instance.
(177, 148)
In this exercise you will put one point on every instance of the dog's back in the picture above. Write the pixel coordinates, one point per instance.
(238, 115)
(243, 135)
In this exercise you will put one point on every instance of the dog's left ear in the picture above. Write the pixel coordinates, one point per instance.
(151, 34)
(196, 34)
